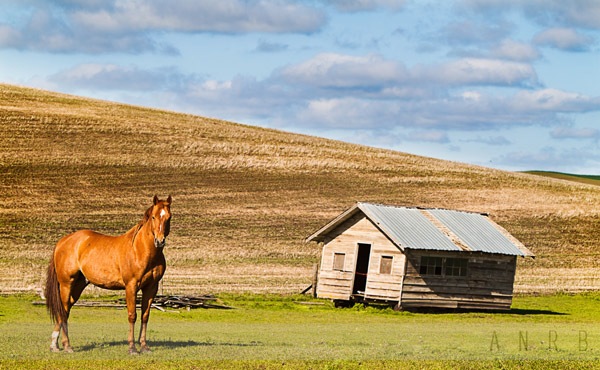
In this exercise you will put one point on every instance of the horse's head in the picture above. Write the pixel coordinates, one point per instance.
(160, 220)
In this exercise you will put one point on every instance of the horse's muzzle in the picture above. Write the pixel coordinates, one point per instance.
(160, 244)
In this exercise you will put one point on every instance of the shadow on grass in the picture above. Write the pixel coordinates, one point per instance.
(168, 344)
(512, 311)
(442, 310)
(523, 311)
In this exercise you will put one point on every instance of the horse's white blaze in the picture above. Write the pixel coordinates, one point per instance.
(162, 213)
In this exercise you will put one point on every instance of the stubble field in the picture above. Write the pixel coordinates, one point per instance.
(245, 197)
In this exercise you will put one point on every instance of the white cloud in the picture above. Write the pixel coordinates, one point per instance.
(265, 46)
(212, 85)
(115, 77)
(554, 100)
(479, 71)
(491, 140)
(340, 91)
(564, 39)
(464, 111)
(574, 13)
(575, 133)
(9, 37)
(51, 31)
(431, 136)
(583, 13)
(227, 16)
(514, 50)
(346, 113)
(474, 96)
(369, 72)
(134, 26)
(366, 5)
(84, 72)
(572, 160)
(470, 32)
(337, 70)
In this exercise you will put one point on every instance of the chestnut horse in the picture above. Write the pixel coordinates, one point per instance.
(131, 261)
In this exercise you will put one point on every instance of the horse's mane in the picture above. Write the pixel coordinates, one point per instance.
(146, 217)
(136, 229)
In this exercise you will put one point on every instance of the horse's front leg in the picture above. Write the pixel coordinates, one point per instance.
(130, 295)
(148, 294)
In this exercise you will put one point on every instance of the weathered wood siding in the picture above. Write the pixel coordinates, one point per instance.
(488, 284)
(345, 239)
(386, 287)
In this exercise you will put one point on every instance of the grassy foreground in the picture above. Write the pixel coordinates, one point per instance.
(559, 331)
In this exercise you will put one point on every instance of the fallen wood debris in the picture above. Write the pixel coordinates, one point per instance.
(183, 301)
(307, 289)
(161, 302)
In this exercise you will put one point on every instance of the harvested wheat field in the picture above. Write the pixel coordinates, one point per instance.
(244, 198)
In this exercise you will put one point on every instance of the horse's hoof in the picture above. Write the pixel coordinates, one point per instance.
(54, 349)
(133, 351)
(68, 350)
(145, 349)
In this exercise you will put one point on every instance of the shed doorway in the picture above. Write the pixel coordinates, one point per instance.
(362, 269)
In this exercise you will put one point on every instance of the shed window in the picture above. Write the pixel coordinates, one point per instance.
(339, 260)
(456, 267)
(431, 266)
(385, 265)
(443, 266)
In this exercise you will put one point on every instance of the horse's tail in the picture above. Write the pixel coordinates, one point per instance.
(53, 303)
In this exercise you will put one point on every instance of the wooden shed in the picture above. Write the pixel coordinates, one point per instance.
(417, 257)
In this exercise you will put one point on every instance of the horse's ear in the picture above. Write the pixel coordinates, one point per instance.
(155, 199)
(169, 199)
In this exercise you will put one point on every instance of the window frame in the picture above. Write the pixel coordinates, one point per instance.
(339, 261)
(456, 267)
(431, 266)
(388, 267)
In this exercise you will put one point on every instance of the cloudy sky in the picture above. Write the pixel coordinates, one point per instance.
(510, 84)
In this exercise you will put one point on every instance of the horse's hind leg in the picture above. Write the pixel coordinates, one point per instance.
(69, 294)
(55, 334)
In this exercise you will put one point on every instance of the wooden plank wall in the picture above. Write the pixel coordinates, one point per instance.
(338, 284)
(385, 286)
(488, 284)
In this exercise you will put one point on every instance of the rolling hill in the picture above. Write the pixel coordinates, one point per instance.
(244, 198)
(584, 179)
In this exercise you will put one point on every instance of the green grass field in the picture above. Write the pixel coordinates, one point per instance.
(561, 331)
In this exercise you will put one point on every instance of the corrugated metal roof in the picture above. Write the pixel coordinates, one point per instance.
(477, 232)
(408, 228)
(433, 229)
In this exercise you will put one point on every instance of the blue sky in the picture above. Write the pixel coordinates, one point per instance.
(509, 84)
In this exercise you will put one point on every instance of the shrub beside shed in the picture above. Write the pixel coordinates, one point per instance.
(417, 257)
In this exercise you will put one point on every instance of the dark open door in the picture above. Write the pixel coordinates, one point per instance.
(362, 268)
